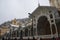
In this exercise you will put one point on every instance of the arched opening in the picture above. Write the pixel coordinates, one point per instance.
(58, 26)
(43, 26)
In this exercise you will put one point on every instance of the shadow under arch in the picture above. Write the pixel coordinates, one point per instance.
(43, 26)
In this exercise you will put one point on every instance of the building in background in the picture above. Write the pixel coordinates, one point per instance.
(55, 3)
(4, 30)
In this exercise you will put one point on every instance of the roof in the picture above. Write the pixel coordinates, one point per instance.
(42, 8)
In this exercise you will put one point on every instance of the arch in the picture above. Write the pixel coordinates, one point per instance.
(43, 26)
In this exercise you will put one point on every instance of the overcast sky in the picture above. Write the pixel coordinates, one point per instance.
(10, 9)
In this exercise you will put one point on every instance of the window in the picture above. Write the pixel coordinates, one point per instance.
(52, 20)
(26, 32)
(53, 29)
(51, 16)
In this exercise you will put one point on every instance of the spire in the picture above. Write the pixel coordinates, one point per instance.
(38, 3)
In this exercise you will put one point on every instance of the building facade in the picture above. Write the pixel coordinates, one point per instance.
(45, 20)
(45, 24)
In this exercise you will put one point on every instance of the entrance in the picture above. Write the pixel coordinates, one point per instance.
(43, 26)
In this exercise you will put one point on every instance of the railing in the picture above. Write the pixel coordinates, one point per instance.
(29, 37)
(41, 36)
